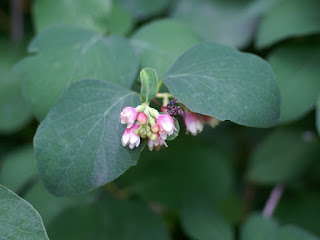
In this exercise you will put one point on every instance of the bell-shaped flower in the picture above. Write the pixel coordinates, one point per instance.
(193, 123)
(212, 121)
(166, 125)
(129, 137)
(128, 116)
(157, 143)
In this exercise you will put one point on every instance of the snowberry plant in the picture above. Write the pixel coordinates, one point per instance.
(143, 119)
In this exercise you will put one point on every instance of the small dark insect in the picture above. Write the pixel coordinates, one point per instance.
(172, 109)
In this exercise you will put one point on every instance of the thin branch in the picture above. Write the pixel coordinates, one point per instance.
(273, 201)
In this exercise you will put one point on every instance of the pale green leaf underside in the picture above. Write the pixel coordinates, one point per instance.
(18, 219)
(91, 14)
(149, 84)
(68, 54)
(290, 232)
(289, 18)
(160, 43)
(78, 145)
(283, 156)
(222, 82)
(297, 71)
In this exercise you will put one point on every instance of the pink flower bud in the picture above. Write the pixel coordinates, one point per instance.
(193, 122)
(166, 124)
(130, 138)
(155, 128)
(212, 121)
(128, 116)
(142, 118)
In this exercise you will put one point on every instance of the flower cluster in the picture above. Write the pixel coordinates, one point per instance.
(194, 122)
(146, 122)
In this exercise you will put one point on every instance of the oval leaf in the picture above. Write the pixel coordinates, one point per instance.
(297, 71)
(18, 219)
(288, 18)
(149, 84)
(290, 232)
(77, 54)
(91, 14)
(78, 145)
(283, 156)
(222, 82)
(160, 43)
(318, 115)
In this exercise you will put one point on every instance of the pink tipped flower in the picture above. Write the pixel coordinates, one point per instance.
(166, 125)
(193, 122)
(212, 121)
(157, 144)
(128, 116)
(130, 138)
(142, 118)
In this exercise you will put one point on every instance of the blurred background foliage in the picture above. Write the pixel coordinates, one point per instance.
(212, 186)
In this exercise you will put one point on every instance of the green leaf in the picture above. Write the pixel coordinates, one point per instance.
(283, 156)
(160, 43)
(222, 82)
(256, 227)
(18, 167)
(186, 169)
(200, 221)
(14, 113)
(110, 219)
(68, 54)
(290, 232)
(175, 133)
(78, 145)
(288, 18)
(18, 219)
(318, 115)
(142, 9)
(297, 72)
(120, 20)
(301, 208)
(50, 206)
(91, 14)
(149, 84)
(225, 22)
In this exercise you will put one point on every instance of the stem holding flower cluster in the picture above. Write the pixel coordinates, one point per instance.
(272, 201)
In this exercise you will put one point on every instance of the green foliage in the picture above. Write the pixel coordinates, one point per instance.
(297, 71)
(78, 145)
(18, 219)
(288, 18)
(149, 84)
(226, 84)
(102, 220)
(78, 54)
(283, 156)
(14, 113)
(81, 13)
(160, 43)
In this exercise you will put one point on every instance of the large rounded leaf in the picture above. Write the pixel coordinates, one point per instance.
(160, 43)
(18, 219)
(222, 82)
(78, 145)
(297, 71)
(289, 18)
(283, 156)
(91, 14)
(68, 54)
